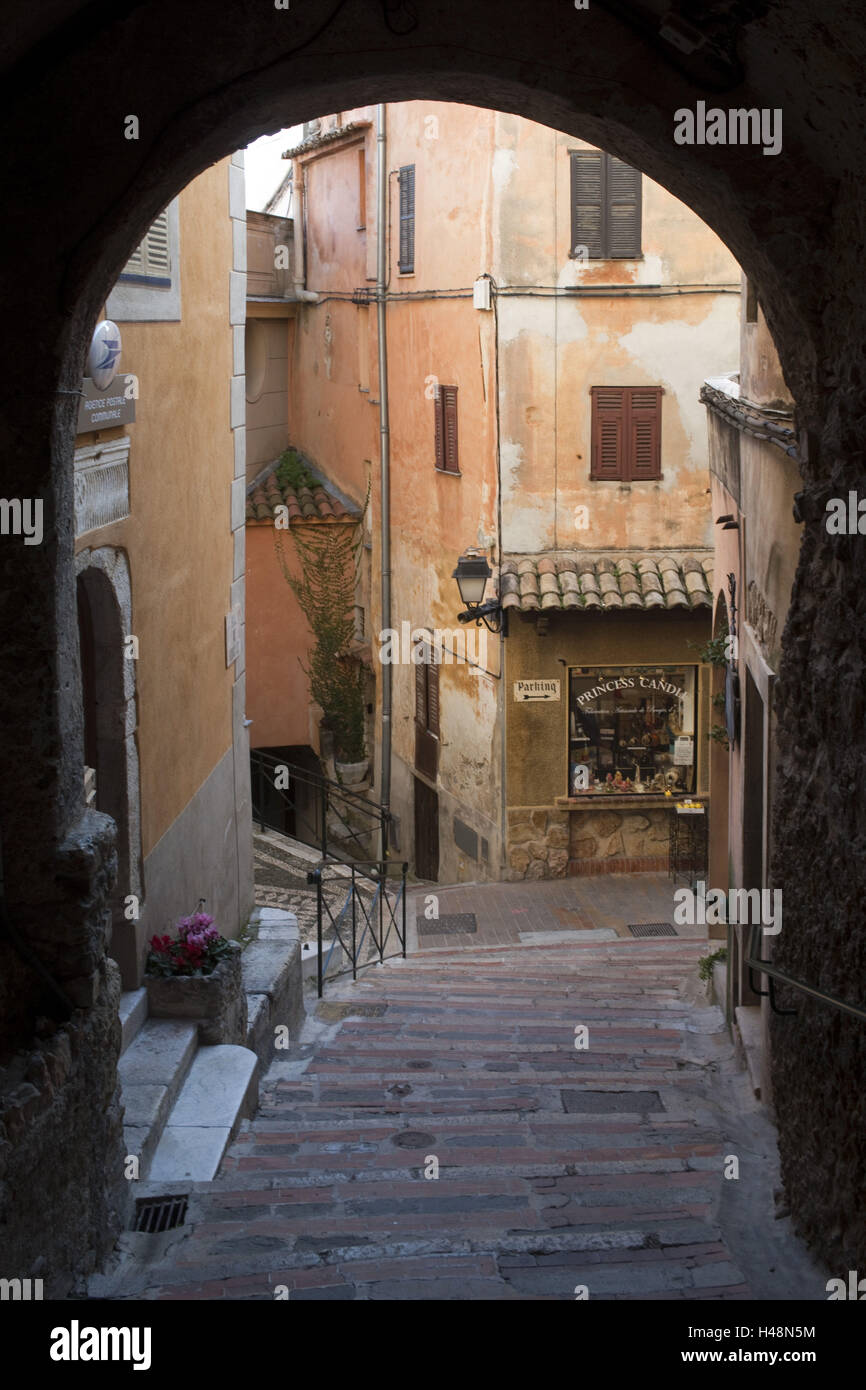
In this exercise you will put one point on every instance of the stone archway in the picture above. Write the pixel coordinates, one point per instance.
(74, 77)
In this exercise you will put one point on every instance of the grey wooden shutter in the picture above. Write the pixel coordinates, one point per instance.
(152, 259)
(587, 202)
(644, 433)
(407, 219)
(608, 432)
(623, 210)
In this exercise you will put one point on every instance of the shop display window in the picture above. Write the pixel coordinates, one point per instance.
(632, 728)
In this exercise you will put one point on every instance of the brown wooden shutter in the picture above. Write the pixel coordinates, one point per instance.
(644, 430)
(439, 427)
(623, 210)
(587, 202)
(421, 695)
(433, 699)
(449, 419)
(407, 219)
(608, 432)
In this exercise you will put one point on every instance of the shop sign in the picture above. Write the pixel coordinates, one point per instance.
(536, 690)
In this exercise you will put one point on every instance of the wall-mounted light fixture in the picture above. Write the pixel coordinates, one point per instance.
(472, 574)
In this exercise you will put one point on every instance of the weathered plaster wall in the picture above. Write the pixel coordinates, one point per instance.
(553, 350)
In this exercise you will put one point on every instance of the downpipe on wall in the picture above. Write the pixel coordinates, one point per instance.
(384, 452)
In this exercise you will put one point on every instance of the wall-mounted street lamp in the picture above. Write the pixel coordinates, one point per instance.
(472, 574)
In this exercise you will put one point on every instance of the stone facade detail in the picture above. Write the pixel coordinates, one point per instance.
(101, 484)
(537, 843)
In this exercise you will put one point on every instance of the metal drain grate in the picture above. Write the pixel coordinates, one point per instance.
(154, 1214)
(449, 925)
(651, 929)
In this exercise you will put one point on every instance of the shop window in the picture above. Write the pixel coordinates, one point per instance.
(633, 729)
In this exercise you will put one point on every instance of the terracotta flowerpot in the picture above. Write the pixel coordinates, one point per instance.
(216, 1002)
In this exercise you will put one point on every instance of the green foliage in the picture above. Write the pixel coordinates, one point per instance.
(706, 963)
(713, 651)
(329, 555)
(292, 472)
(719, 734)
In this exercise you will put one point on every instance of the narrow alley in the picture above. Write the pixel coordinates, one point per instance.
(532, 1121)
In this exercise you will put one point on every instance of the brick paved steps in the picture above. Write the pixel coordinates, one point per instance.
(530, 1200)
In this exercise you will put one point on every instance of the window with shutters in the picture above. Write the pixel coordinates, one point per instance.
(426, 710)
(407, 220)
(148, 287)
(445, 432)
(626, 434)
(150, 263)
(605, 207)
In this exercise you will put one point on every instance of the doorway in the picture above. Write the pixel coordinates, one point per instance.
(426, 831)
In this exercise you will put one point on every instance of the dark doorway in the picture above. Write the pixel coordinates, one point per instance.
(100, 638)
(753, 814)
(426, 831)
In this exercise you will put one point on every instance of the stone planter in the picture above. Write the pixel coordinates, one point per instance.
(352, 773)
(216, 1002)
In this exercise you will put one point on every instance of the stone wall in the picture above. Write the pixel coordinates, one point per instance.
(537, 843)
(619, 839)
(61, 1146)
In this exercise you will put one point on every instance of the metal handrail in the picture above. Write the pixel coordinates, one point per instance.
(378, 877)
(774, 973)
(330, 795)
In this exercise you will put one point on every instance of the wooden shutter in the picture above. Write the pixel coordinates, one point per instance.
(151, 260)
(449, 426)
(439, 427)
(623, 210)
(608, 432)
(407, 219)
(421, 695)
(587, 202)
(432, 698)
(644, 431)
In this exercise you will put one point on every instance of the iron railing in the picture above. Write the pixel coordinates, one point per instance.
(363, 919)
(337, 821)
(773, 973)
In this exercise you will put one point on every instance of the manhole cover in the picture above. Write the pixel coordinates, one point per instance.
(651, 929)
(413, 1139)
(451, 924)
(608, 1102)
(154, 1214)
(335, 1013)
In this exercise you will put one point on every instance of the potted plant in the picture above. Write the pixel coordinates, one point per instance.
(196, 975)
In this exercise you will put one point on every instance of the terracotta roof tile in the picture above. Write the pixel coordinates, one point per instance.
(594, 580)
(303, 503)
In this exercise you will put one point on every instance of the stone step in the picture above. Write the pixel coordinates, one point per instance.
(220, 1091)
(152, 1072)
(132, 1011)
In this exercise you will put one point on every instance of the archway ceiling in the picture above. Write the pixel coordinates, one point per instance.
(207, 78)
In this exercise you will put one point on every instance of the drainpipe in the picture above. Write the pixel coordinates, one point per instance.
(300, 239)
(384, 450)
